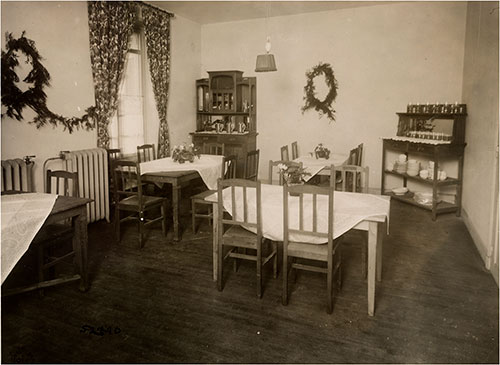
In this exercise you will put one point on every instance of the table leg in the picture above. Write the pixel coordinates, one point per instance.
(80, 240)
(176, 198)
(372, 264)
(380, 240)
(215, 248)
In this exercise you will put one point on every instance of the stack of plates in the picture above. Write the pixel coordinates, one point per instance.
(413, 168)
(400, 167)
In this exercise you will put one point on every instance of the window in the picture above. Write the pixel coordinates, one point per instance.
(127, 127)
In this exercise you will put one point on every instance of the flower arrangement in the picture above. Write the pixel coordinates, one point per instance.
(293, 174)
(182, 153)
(322, 152)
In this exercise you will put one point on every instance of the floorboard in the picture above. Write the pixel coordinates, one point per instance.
(436, 304)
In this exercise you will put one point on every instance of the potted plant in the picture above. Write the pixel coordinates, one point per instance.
(182, 153)
(293, 175)
(322, 152)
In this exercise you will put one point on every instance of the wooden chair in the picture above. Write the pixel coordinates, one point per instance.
(113, 155)
(284, 153)
(213, 148)
(52, 241)
(252, 165)
(236, 237)
(129, 197)
(228, 172)
(295, 150)
(328, 253)
(146, 152)
(356, 155)
(273, 164)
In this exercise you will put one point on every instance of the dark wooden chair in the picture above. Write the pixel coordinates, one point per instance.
(284, 153)
(328, 253)
(228, 172)
(146, 152)
(113, 155)
(236, 237)
(252, 165)
(213, 148)
(129, 197)
(295, 150)
(274, 164)
(53, 241)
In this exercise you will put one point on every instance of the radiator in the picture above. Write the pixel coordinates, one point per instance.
(92, 168)
(17, 174)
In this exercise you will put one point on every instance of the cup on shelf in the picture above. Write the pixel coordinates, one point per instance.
(402, 158)
(424, 174)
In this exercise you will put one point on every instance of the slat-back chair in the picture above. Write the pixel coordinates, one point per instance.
(129, 197)
(228, 172)
(146, 152)
(213, 148)
(328, 253)
(295, 150)
(274, 164)
(284, 153)
(236, 237)
(52, 241)
(252, 165)
(113, 155)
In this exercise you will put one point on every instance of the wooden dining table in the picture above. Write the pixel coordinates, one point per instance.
(365, 212)
(314, 165)
(165, 170)
(19, 231)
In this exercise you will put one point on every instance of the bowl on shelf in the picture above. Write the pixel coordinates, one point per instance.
(424, 198)
(400, 191)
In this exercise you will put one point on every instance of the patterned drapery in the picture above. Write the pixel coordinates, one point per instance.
(110, 25)
(157, 32)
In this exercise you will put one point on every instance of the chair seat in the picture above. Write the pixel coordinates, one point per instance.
(240, 237)
(200, 197)
(310, 250)
(132, 202)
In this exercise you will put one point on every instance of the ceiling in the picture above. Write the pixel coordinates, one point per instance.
(206, 12)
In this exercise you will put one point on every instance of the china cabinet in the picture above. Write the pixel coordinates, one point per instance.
(435, 136)
(226, 113)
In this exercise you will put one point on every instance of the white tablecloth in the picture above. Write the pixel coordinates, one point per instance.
(22, 217)
(314, 165)
(208, 166)
(349, 210)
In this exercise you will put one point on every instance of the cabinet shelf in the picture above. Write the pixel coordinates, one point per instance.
(441, 207)
(447, 181)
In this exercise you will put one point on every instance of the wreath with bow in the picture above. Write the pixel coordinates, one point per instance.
(311, 101)
(15, 100)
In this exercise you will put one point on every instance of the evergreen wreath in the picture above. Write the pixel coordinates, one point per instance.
(311, 101)
(34, 97)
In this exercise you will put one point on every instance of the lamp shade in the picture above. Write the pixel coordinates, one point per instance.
(265, 63)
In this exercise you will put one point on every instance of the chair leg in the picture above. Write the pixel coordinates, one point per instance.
(274, 246)
(193, 212)
(164, 209)
(141, 229)
(364, 257)
(219, 265)
(259, 269)
(236, 261)
(284, 295)
(329, 287)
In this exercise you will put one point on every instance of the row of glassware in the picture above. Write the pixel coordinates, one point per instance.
(413, 168)
(437, 108)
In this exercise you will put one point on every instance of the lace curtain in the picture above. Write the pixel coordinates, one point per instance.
(157, 32)
(110, 25)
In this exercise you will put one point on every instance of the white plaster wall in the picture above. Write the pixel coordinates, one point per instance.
(61, 34)
(480, 92)
(383, 56)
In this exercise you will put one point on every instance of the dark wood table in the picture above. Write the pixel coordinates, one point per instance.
(75, 209)
(177, 179)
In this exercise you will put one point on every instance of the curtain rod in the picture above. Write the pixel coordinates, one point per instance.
(156, 8)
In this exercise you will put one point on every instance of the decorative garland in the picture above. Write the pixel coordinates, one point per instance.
(16, 100)
(325, 106)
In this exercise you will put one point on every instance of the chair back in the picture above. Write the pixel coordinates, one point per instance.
(284, 153)
(356, 155)
(213, 148)
(127, 177)
(242, 192)
(274, 164)
(354, 179)
(295, 150)
(146, 152)
(62, 182)
(307, 197)
(229, 167)
(252, 165)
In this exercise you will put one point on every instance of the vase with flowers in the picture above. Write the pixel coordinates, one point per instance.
(322, 152)
(182, 153)
(293, 174)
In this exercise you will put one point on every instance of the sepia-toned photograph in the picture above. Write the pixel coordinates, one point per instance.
(250, 182)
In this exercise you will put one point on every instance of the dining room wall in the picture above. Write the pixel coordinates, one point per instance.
(383, 56)
(61, 34)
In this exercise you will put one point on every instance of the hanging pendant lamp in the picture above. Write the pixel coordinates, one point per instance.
(265, 62)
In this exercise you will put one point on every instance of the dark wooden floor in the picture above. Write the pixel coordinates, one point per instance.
(436, 304)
